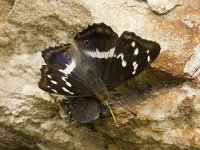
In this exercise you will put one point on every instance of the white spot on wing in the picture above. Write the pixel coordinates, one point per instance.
(92, 54)
(67, 83)
(111, 52)
(135, 67)
(106, 55)
(147, 51)
(120, 55)
(134, 63)
(148, 58)
(123, 63)
(54, 82)
(66, 90)
(136, 52)
(48, 86)
(69, 68)
(49, 76)
(98, 54)
(133, 44)
(122, 58)
(54, 90)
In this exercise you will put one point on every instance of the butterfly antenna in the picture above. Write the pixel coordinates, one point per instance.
(113, 116)
(126, 108)
(116, 102)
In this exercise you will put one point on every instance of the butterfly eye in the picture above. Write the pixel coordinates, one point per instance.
(86, 42)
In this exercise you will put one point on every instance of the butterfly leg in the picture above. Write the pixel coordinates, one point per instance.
(104, 97)
(113, 116)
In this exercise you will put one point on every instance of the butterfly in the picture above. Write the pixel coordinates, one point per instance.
(95, 63)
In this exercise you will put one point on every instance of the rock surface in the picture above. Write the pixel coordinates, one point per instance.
(166, 99)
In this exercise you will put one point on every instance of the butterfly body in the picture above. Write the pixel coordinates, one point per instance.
(96, 62)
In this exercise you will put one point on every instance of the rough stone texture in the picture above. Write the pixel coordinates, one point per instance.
(31, 24)
(166, 99)
(5, 8)
(162, 6)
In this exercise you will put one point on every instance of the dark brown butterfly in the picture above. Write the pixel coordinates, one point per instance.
(95, 63)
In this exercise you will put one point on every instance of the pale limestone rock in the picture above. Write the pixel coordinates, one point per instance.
(192, 67)
(4, 42)
(162, 6)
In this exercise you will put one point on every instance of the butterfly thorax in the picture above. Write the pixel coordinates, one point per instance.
(96, 84)
(92, 75)
(99, 89)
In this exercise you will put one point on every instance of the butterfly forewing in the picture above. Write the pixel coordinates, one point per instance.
(98, 43)
(62, 73)
(132, 55)
(48, 53)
